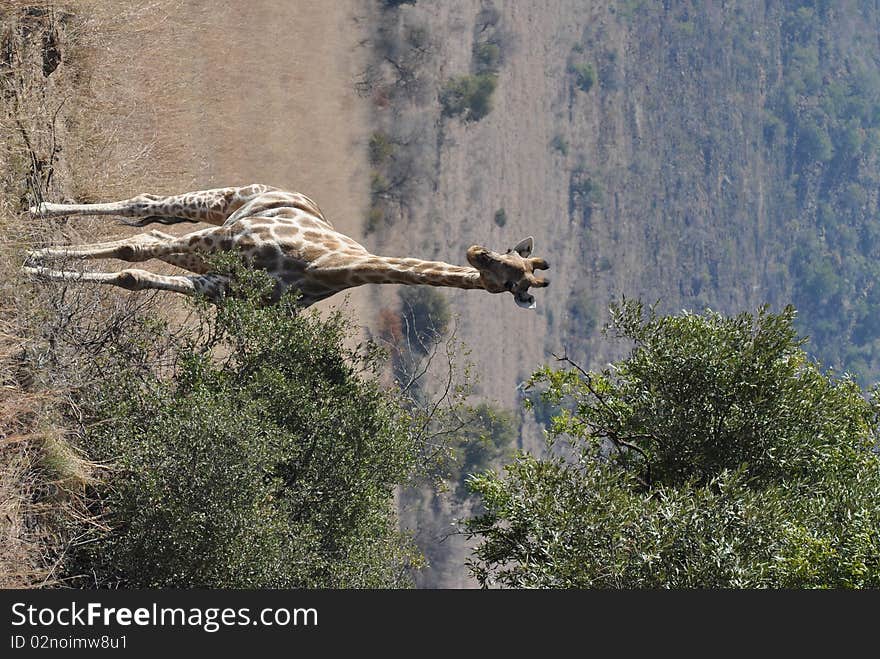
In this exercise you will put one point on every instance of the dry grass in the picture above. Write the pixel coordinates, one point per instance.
(120, 142)
(63, 134)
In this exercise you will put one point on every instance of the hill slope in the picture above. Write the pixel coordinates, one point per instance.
(723, 156)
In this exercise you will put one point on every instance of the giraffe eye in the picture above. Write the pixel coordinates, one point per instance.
(509, 285)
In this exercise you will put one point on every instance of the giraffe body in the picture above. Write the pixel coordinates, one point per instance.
(283, 233)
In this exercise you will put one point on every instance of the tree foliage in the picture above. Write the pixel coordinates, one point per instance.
(488, 436)
(584, 75)
(823, 117)
(715, 455)
(268, 459)
(468, 96)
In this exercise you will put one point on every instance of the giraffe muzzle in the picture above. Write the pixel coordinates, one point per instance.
(525, 300)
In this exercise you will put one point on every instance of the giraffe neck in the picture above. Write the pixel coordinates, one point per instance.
(393, 270)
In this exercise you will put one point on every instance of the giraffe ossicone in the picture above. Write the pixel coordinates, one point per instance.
(283, 233)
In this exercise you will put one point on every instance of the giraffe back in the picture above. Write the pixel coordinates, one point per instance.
(285, 234)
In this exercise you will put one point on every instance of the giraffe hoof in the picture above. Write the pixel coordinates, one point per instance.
(38, 273)
(39, 210)
(35, 255)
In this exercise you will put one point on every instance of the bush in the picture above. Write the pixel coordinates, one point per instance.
(272, 467)
(488, 437)
(716, 455)
(584, 76)
(487, 57)
(500, 217)
(381, 148)
(559, 144)
(468, 96)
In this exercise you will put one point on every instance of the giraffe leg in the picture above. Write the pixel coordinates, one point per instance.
(150, 237)
(211, 286)
(191, 262)
(211, 206)
(143, 247)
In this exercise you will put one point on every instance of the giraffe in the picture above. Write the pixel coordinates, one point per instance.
(283, 233)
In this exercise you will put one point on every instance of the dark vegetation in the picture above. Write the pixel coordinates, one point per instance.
(468, 96)
(584, 75)
(716, 455)
(824, 116)
(408, 100)
(400, 148)
(272, 466)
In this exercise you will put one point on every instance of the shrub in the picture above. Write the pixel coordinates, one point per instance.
(500, 217)
(487, 57)
(559, 144)
(715, 455)
(584, 76)
(381, 148)
(273, 466)
(468, 96)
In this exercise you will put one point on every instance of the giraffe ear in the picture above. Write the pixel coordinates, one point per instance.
(524, 247)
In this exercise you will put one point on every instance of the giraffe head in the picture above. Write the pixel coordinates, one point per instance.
(512, 271)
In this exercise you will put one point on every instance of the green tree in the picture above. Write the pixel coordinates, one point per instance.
(584, 75)
(715, 455)
(487, 56)
(489, 436)
(468, 96)
(268, 460)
